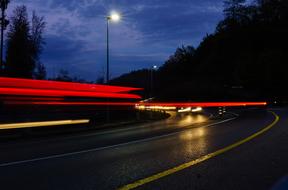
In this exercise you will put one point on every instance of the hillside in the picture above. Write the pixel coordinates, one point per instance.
(245, 58)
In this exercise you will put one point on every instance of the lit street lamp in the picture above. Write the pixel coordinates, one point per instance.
(115, 17)
(153, 69)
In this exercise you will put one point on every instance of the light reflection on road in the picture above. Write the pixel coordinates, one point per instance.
(191, 119)
(195, 141)
(196, 133)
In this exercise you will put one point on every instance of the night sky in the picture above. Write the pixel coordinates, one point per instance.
(149, 32)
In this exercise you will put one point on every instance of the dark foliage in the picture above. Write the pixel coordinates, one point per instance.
(37, 42)
(65, 76)
(246, 58)
(40, 72)
(3, 23)
(24, 45)
(100, 80)
(141, 78)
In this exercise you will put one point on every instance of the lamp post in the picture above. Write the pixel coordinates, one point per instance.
(153, 68)
(112, 17)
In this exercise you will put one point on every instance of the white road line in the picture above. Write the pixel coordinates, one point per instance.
(235, 114)
(106, 147)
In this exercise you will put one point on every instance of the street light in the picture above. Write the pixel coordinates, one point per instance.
(115, 17)
(153, 68)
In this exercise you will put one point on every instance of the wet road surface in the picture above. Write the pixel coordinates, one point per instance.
(114, 158)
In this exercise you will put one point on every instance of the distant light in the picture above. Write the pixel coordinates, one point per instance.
(184, 110)
(114, 17)
(155, 67)
(198, 109)
(155, 108)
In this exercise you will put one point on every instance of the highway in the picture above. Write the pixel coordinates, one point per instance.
(244, 151)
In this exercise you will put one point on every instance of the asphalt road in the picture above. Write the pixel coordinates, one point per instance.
(115, 158)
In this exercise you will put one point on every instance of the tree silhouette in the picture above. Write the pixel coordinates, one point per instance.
(4, 23)
(19, 60)
(233, 8)
(245, 59)
(64, 75)
(40, 72)
(100, 80)
(235, 14)
(37, 42)
(24, 44)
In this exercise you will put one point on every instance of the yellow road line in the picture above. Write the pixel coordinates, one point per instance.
(199, 160)
(42, 124)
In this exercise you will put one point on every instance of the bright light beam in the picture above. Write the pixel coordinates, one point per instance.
(184, 110)
(198, 109)
(42, 124)
(205, 104)
(114, 16)
(64, 93)
(55, 85)
(143, 106)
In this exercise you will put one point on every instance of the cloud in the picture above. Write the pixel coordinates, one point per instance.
(149, 32)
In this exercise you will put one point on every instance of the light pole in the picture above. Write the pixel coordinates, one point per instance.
(153, 68)
(112, 17)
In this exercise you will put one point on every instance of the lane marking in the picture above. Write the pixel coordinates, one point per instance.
(199, 160)
(106, 147)
(42, 124)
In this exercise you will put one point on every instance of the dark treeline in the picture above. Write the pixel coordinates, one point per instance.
(245, 58)
(24, 44)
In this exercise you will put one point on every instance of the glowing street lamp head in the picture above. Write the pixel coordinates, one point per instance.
(114, 17)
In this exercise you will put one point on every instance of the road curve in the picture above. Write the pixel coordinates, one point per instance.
(115, 158)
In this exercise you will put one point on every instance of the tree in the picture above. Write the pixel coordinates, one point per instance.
(37, 42)
(232, 8)
(100, 80)
(245, 59)
(4, 23)
(24, 45)
(182, 57)
(273, 10)
(64, 75)
(19, 60)
(40, 72)
(235, 14)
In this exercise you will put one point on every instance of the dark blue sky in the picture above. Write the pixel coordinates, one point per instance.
(147, 35)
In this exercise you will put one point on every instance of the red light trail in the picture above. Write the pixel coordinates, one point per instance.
(64, 93)
(199, 104)
(206, 104)
(55, 85)
(18, 92)
(23, 98)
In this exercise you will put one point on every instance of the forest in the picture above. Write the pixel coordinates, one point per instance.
(244, 59)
